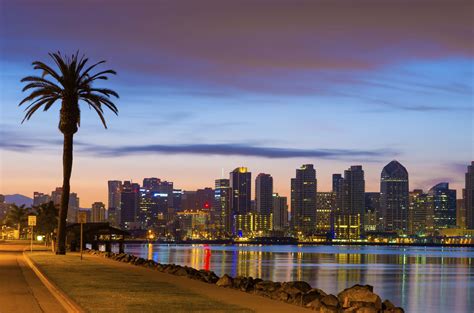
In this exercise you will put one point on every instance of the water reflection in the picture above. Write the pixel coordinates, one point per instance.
(421, 279)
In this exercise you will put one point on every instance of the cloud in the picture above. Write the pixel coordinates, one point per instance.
(238, 150)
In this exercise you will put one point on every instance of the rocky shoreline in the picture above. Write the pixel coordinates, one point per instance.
(356, 299)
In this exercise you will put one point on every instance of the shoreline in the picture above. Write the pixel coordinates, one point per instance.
(266, 243)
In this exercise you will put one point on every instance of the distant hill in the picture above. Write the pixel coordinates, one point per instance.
(19, 200)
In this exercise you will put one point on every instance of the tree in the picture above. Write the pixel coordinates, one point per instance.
(71, 84)
(47, 219)
(18, 215)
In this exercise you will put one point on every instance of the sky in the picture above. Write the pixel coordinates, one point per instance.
(207, 86)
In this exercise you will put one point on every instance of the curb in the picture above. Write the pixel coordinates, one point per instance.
(68, 304)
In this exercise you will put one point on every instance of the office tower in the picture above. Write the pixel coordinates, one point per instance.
(129, 199)
(420, 216)
(178, 200)
(336, 182)
(114, 199)
(394, 197)
(152, 183)
(443, 202)
(204, 199)
(189, 200)
(469, 196)
(98, 213)
(280, 212)
(303, 200)
(264, 194)
(221, 214)
(350, 208)
(325, 205)
(40, 198)
(461, 212)
(372, 212)
(241, 184)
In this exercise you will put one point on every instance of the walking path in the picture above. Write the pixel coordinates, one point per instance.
(102, 285)
(20, 289)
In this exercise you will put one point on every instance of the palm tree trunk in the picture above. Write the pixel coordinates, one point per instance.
(67, 169)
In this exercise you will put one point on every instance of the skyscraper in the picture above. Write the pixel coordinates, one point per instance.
(420, 217)
(151, 183)
(73, 205)
(280, 212)
(350, 208)
(129, 204)
(114, 199)
(469, 196)
(443, 202)
(221, 214)
(303, 199)
(241, 184)
(98, 213)
(204, 199)
(325, 204)
(264, 194)
(394, 197)
(372, 210)
(336, 182)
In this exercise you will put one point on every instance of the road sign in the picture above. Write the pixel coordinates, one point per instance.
(82, 217)
(31, 220)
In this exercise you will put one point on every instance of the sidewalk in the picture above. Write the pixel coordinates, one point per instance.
(20, 289)
(102, 285)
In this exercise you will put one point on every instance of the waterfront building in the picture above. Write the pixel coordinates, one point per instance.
(221, 214)
(189, 200)
(350, 205)
(204, 199)
(420, 215)
(178, 200)
(241, 184)
(461, 212)
(40, 198)
(336, 182)
(443, 202)
(264, 194)
(303, 200)
(151, 183)
(325, 205)
(114, 199)
(252, 224)
(193, 224)
(98, 212)
(373, 219)
(394, 200)
(469, 196)
(129, 200)
(280, 212)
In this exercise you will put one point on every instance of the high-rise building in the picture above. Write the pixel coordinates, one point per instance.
(178, 200)
(151, 183)
(114, 199)
(443, 206)
(325, 205)
(241, 184)
(204, 199)
(350, 205)
(394, 197)
(280, 212)
(98, 212)
(40, 198)
(129, 200)
(264, 194)
(336, 182)
(469, 196)
(221, 214)
(420, 216)
(373, 220)
(303, 200)
(461, 212)
(56, 196)
(73, 207)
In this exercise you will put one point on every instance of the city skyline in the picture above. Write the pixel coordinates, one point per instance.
(292, 86)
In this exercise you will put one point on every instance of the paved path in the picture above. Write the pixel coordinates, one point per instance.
(20, 289)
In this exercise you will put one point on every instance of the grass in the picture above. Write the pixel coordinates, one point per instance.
(98, 287)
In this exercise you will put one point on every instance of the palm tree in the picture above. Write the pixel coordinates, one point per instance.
(71, 84)
(17, 216)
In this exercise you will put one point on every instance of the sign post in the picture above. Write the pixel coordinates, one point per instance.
(82, 218)
(32, 224)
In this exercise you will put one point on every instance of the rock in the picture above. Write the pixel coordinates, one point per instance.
(225, 281)
(360, 296)
(311, 295)
(267, 285)
(320, 307)
(394, 310)
(387, 305)
(302, 286)
(180, 271)
(330, 300)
